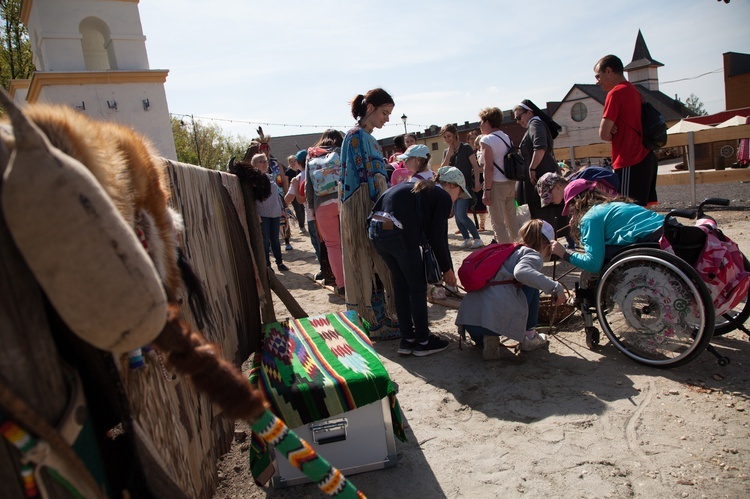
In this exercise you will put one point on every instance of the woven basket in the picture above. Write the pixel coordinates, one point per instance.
(550, 315)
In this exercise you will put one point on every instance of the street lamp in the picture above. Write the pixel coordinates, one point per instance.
(403, 118)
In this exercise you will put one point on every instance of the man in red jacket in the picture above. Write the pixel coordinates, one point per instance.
(621, 124)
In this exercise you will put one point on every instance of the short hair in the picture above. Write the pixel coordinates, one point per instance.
(291, 158)
(377, 97)
(398, 141)
(449, 128)
(610, 61)
(492, 115)
(256, 159)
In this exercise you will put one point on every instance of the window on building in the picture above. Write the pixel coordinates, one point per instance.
(578, 111)
(434, 146)
(96, 44)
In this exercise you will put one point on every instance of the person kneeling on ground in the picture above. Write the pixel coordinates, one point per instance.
(511, 309)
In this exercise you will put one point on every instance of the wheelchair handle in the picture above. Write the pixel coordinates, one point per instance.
(711, 202)
(691, 214)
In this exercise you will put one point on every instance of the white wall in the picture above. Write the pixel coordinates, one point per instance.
(54, 28)
(578, 133)
(129, 97)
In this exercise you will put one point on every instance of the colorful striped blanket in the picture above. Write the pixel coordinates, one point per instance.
(315, 368)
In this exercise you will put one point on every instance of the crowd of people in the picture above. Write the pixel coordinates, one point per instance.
(369, 218)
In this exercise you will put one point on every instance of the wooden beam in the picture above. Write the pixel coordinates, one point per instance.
(604, 149)
(704, 177)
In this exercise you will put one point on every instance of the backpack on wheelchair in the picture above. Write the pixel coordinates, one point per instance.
(661, 303)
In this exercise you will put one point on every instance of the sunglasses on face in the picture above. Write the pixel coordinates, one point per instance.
(518, 118)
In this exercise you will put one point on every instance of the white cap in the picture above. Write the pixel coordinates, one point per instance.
(548, 231)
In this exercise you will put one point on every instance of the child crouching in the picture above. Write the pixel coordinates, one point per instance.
(511, 309)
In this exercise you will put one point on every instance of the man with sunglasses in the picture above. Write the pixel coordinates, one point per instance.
(621, 124)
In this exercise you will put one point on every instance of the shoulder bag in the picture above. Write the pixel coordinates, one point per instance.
(432, 272)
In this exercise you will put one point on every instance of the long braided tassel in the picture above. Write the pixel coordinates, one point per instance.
(219, 379)
(303, 457)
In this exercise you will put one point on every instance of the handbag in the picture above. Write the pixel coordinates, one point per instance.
(515, 168)
(432, 272)
(431, 267)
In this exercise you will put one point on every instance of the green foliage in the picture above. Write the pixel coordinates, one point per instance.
(16, 61)
(695, 105)
(206, 145)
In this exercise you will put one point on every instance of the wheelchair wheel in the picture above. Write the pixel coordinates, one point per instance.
(655, 308)
(737, 316)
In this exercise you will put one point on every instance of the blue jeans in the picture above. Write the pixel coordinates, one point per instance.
(532, 299)
(312, 229)
(464, 223)
(270, 229)
(409, 283)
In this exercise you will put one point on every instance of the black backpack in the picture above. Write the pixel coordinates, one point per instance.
(653, 126)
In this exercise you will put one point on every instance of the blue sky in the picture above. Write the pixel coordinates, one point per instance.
(301, 62)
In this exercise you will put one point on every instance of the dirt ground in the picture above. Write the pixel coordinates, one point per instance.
(568, 422)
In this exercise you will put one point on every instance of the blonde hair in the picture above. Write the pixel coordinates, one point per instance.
(256, 159)
(530, 234)
(583, 202)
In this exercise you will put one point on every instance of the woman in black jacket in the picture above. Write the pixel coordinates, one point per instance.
(399, 219)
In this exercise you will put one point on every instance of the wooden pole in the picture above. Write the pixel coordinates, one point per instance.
(286, 297)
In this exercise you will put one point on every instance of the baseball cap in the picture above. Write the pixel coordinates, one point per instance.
(575, 188)
(452, 175)
(548, 231)
(301, 156)
(415, 151)
(545, 184)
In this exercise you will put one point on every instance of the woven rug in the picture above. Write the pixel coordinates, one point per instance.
(316, 368)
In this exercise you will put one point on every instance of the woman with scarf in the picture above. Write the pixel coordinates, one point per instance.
(536, 149)
(363, 180)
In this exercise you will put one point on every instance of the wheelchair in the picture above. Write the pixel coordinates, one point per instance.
(653, 306)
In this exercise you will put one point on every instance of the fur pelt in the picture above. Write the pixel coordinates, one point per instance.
(248, 174)
(129, 170)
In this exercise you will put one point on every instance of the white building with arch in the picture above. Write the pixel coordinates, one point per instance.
(91, 55)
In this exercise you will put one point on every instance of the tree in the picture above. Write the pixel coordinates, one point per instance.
(16, 60)
(695, 105)
(207, 145)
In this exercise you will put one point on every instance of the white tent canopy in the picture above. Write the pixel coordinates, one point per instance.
(683, 126)
(733, 121)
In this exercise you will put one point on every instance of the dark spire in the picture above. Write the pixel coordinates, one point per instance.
(641, 56)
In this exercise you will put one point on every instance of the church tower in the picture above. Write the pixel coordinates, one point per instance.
(643, 70)
(91, 55)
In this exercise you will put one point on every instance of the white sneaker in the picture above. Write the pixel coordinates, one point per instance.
(466, 244)
(477, 244)
(539, 340)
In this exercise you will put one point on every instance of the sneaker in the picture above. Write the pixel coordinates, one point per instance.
(288, 247)
(406, 347)
(319, 276)
(282, 267)
(341, 291)
(539, 340)
(466, 244)
(476, 244)
(434, 345)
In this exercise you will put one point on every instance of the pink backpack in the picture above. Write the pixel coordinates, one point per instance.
(721, 266)
(478, 269)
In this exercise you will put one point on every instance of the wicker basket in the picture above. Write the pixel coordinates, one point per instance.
(549, 314)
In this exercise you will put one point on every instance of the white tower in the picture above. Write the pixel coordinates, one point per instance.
(643, 69)
(91, 54)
